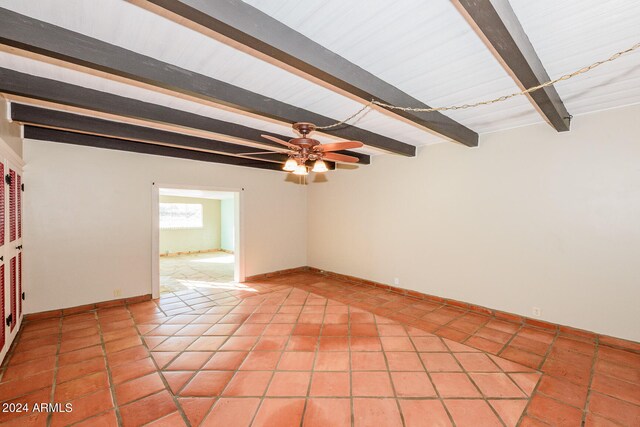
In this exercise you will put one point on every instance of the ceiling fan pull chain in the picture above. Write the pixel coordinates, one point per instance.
(341, 122)
(502, 98)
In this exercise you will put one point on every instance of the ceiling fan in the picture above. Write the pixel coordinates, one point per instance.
(305, 148)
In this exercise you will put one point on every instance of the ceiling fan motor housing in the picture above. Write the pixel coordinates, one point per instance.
(304, 148)
(304, 128)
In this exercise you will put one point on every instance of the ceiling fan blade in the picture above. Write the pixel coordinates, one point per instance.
(340, 158)
(279, 141)
(258, 152)
(335, 146)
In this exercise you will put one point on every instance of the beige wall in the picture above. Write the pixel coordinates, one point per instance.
(531, 218)
(9, 132)
(87, 215)
(227, 225)
(193, 240)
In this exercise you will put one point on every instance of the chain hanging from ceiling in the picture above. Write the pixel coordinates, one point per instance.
(480, 103)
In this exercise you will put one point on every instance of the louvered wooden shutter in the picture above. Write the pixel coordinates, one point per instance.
(19, 204)
(12, 206)
(2, 313)
(14, 314)
(2, 207)
(19, 285)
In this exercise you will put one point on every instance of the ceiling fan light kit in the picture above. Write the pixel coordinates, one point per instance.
(301, 170)
(319, 166)
(290, 165)
(304, 149)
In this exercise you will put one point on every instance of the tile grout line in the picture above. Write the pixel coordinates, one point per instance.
(591, 377)
(175, 334)
(508, 374)
(484, 396)
(464, 313)
(535, 389)
(386, 361)
(264, 393)
(349, 338)
(55, 371)
(352, 410)
(441, 304)
(82, 361)
(438, 395)
(529, 396)
(506, 344)
(315, 356)
(526, 408)
(181, 352)
(112, 389)
(210, 410)
(158, 371)
(486, 399)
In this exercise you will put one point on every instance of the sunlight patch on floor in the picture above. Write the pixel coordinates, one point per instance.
(229, 259)
(200, 284)
(201, 270)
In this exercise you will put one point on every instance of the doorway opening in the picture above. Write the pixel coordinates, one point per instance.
(196, 240)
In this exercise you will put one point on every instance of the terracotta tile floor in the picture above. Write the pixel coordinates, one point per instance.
(303, 350)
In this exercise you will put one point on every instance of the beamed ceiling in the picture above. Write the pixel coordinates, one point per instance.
(202, 80)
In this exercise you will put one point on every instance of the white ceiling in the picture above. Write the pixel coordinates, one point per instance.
(570, 34)
(424, 48)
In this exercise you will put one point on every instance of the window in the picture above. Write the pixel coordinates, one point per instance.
(180, 215)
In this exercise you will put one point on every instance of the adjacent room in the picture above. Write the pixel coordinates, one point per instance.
(196, 244)
(251, 213)
(196, 238)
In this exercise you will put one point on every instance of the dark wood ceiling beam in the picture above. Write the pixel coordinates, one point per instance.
(25, 85)
(41, 38)
(60, 120)
(66, 137)
(29, 114)
(259, 33)
(44, 117)
(498, 26)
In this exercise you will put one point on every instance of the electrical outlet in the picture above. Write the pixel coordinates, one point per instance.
(537, 311)
(396, 281)
(117, 292)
